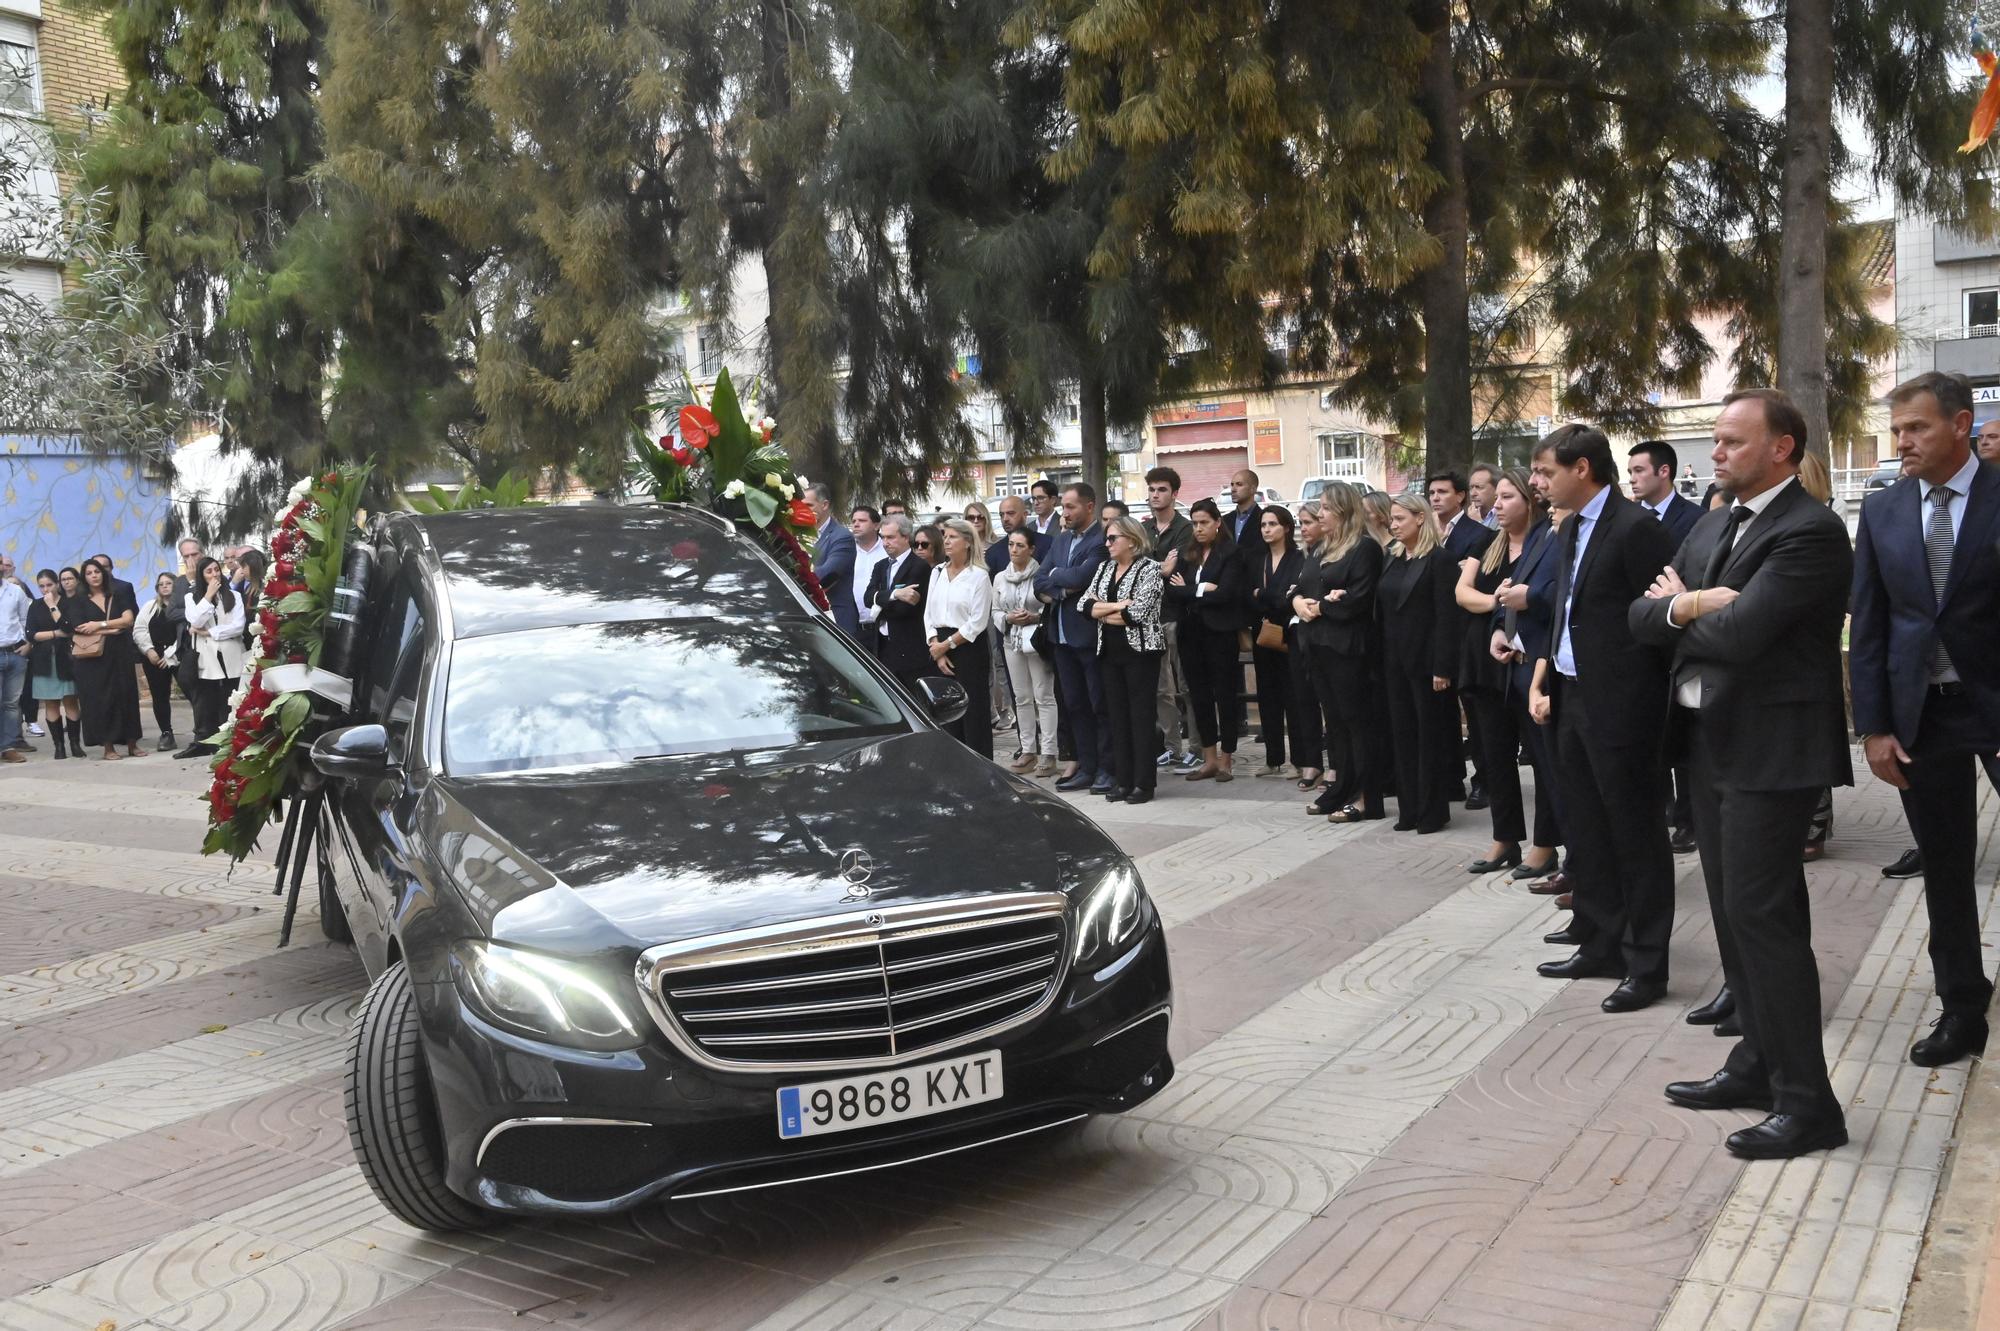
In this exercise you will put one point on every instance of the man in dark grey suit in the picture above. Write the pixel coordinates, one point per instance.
(1924, 663)
(1752, 608)
(833, 561)
(1650, 470)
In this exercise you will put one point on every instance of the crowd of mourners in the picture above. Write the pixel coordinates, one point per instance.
(1670, 671)
(75, 645)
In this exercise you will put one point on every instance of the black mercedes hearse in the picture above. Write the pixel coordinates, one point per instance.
(666, 889)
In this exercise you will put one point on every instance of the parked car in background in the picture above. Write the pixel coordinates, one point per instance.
(1886, 473)
(1266, 496)
(1314, 488)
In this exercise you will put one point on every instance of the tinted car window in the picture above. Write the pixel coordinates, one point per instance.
(394, 667)
(652, 688)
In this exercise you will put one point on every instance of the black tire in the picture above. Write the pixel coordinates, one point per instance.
(391, 1117)
(332, 917)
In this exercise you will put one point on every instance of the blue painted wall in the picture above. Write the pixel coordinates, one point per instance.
(60, 505)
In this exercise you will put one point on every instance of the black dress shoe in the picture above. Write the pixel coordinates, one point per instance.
(1952, 1037)
(1580, 967)
(1115, 795)
(1475, 802)
(1508, 859)
(1722, 1091)
(1077, 782)
(1910, 864)
(1429, 829)
(1567, 936)
(1782, 1136)
(195, 751)
(1714, 1010)
(1631, 995)
(1140, 797)
(1403, 825)
(1729, 1027)
(1682, 841)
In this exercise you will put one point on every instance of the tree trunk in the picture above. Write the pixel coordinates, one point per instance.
(1090, 423)
(1447, 313)
(1802, 241)
(818, 453)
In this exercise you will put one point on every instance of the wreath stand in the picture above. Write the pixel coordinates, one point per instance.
(304, 794)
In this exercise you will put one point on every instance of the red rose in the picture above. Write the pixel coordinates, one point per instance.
(698, 425)
(241, 739)
(331, 478)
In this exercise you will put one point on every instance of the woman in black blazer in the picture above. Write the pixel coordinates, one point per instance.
(1273, 575)
(1484, 679)
(1335, 603)
(1420, 649)
(1212, 591)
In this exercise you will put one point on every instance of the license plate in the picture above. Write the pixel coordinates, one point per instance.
(888, 1097)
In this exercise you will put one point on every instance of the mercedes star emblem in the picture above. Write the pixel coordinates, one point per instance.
(856, 868)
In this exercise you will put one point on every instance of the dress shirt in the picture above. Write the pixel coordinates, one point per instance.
(1042, 525)
(1961, 487)
(964, 602)
(1659, 510)
(1961, 490)
(865, 560)
(14, 605)
(1687, 684)
(1586, 522)
(1490, 520)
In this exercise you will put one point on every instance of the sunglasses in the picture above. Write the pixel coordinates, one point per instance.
(921, 545)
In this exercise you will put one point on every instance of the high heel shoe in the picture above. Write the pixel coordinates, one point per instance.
(1507, 859)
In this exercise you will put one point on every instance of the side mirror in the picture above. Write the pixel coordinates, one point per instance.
(944, 698)
(353, 751)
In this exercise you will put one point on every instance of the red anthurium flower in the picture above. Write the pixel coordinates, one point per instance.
(801, 513)
(682, 455)
(698, 425)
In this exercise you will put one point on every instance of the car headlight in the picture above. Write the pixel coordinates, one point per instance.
(1111, 911)
(540, 996)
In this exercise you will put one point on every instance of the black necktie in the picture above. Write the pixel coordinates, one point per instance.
(1738, 515)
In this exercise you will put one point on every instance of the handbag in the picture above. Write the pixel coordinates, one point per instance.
(1271, 637)
(86, 648)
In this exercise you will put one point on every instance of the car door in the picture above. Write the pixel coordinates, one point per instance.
(371, 839)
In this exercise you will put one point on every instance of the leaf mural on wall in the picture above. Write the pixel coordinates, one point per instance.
(52, 516)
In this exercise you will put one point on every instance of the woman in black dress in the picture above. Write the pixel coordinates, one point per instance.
(50, 680)
(1335, 603)
(1211, 591)
(105, 681)
(1484, 679)
(1420, 646)
(1274, 573)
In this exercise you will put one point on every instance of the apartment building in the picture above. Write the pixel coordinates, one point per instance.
(1948, 308)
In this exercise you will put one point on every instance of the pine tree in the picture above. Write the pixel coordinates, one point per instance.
(205, 168)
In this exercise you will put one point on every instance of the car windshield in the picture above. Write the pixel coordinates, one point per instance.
(655, 688)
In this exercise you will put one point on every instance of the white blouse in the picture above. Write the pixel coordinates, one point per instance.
(964, 603)
(221, 652)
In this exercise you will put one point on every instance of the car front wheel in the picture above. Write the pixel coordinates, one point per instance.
(391, 1116)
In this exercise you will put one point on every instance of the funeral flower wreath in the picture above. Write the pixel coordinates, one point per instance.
(257, 750)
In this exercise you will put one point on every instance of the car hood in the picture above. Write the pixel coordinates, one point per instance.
(584, 862)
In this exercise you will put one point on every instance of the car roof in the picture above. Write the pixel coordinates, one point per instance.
(502, 570)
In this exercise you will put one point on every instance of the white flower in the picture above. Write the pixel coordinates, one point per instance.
(787, 491)
(803, 483)
(767, 426)
(734, 490)
(773, 480)
(298, 492)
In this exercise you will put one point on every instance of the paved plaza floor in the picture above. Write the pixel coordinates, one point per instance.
(1383, 1119)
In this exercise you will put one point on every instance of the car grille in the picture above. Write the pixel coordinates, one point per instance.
(861, 989)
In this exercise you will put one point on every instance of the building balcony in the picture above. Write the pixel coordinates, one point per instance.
(1976, 356)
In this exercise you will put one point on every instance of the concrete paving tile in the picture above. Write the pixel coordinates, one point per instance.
(1502, 1294)
(952, 1267)
(836, 1308)
(153, 1278)
(1203, 1101)
(1288, 1176)
(304, 1292)
(1457, 1136)
(55, 1309)
(422, 1308)
(1403, 1272)
(1204, 1234)
(1108, 1292)
(242, 1177)
(1249, 1309)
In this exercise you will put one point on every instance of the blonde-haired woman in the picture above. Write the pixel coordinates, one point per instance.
(958, 614)
(1335, 603)
(1124, 598)
(1420, 646)
(1375, 505)
(982, 527)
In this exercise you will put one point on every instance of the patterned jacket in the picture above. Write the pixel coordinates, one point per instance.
(1143, 588)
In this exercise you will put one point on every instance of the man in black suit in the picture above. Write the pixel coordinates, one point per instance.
(896, 593)
(1607, 693)
(1650, 469)
(1243, 520)
(1752, 609)
(1072, 563)
(1924, 666)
